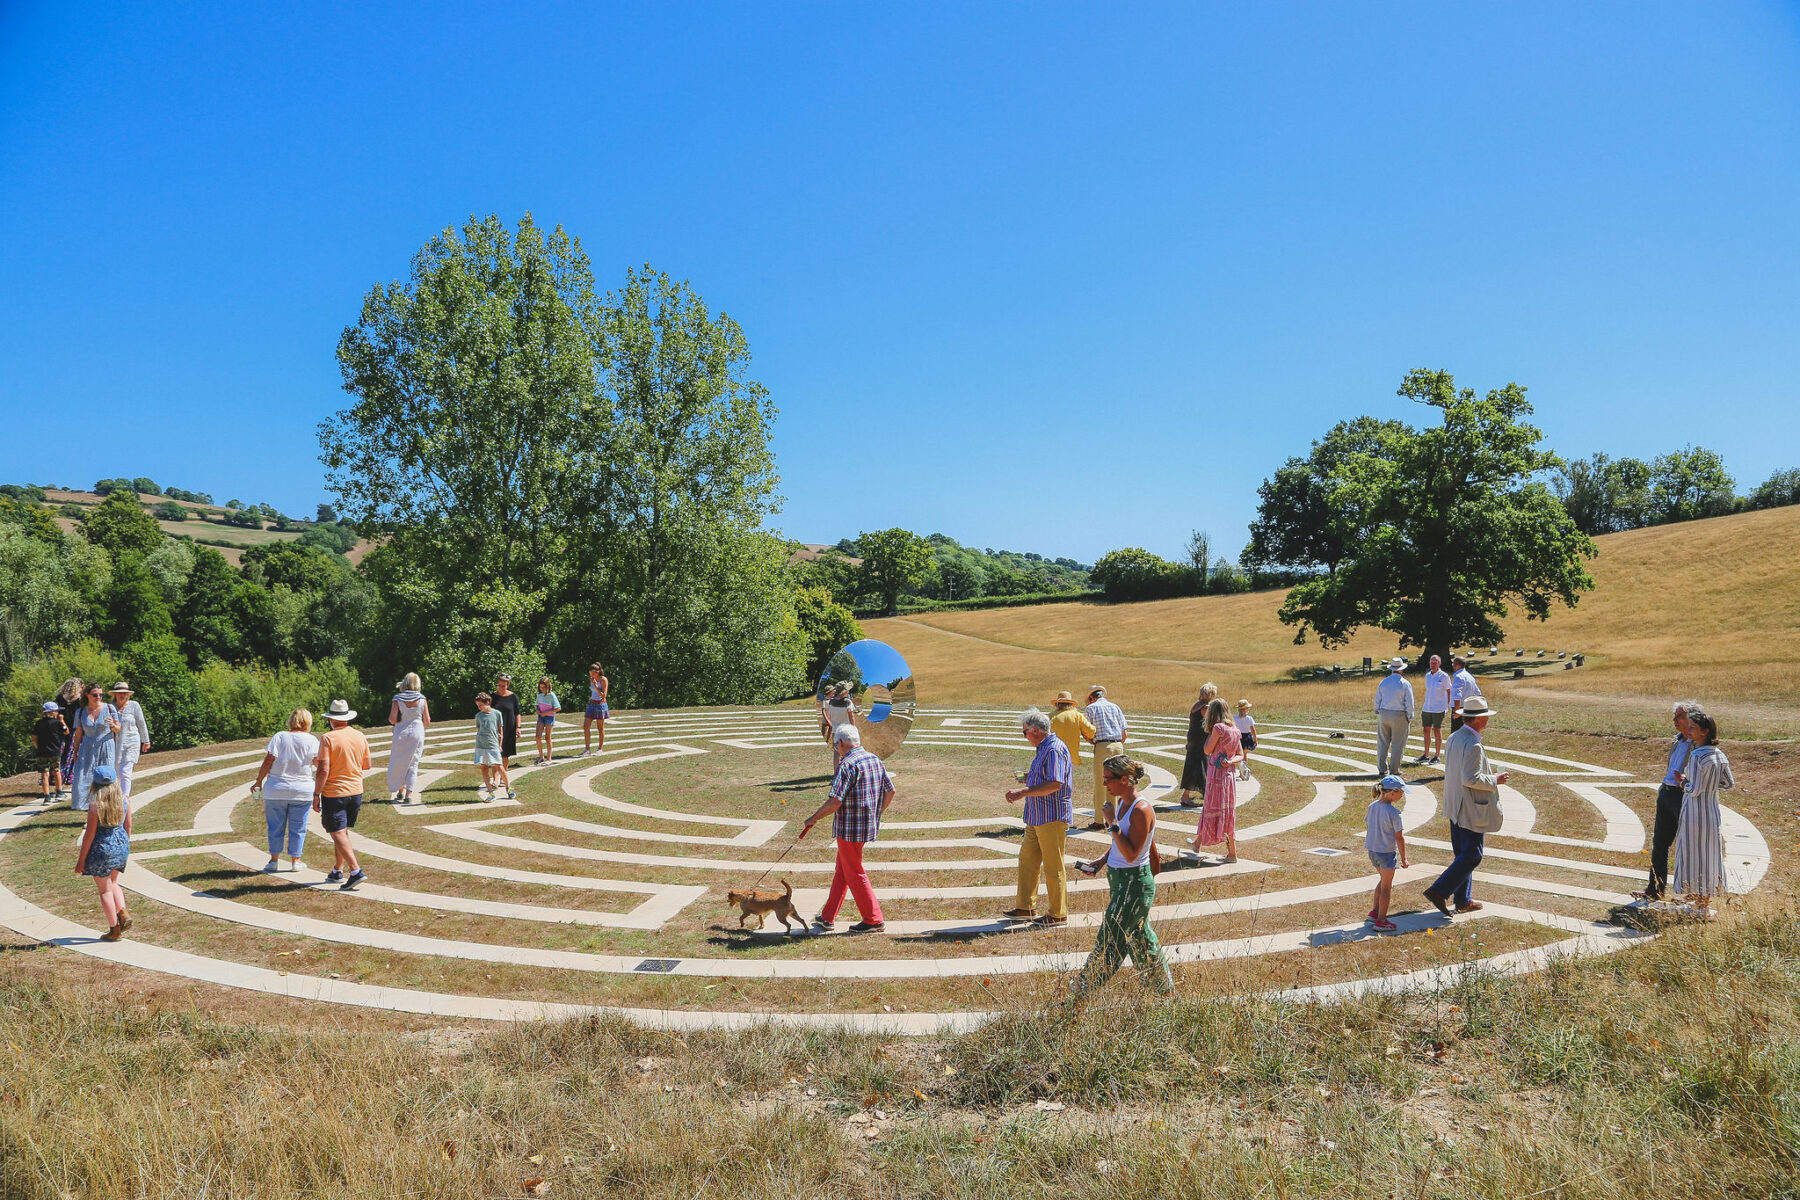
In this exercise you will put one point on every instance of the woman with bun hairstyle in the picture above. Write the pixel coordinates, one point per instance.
(1131, 886)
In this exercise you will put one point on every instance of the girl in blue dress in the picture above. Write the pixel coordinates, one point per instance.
(105, 845)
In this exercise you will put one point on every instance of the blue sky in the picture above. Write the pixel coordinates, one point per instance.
(1069, 277)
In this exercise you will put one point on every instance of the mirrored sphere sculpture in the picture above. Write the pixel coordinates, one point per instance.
(878, 684)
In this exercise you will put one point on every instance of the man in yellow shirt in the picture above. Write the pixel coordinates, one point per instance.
(1070, 725)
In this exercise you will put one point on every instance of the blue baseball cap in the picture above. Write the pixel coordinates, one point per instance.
(50, 706)
(1392, 783)
(105, 774)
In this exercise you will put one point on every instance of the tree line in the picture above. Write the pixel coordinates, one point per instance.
(1609, 495)
(881, 570)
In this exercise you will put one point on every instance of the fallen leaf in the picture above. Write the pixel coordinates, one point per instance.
(1049, 1106)
(536, 1160)
(449, 1151)
(861, 1118)
(645, 1064)
(920, 1095)
(1221, 1070)
(537, 1187)
(871, 1134)
(949, 1070)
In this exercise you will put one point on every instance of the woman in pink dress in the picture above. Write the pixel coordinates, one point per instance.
(1224, 751)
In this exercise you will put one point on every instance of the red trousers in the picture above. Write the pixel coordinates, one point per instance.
(851, 875)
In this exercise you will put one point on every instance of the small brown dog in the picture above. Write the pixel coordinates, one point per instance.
(761, 904)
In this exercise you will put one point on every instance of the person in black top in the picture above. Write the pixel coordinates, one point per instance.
(48, 736)
(505, 701)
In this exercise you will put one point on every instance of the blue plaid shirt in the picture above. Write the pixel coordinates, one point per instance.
(1051, 765)
(1108, 719)
(860, 784)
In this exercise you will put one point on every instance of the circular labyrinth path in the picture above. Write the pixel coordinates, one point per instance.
(602, 888)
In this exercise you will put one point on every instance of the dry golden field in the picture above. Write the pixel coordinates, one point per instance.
(1707, 608)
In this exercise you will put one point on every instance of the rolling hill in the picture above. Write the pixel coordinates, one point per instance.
(1710, 608)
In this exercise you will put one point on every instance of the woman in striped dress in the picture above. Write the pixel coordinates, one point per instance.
(1699, 844)
(1224, 751)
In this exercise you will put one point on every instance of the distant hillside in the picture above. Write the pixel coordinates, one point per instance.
(204, 524)
(1708, 608)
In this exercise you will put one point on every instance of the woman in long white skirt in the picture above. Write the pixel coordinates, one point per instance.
(409, 714)
(1699, 843)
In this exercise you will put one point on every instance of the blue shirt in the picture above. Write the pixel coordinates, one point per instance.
(1394, 694)
(1462, 686)
(1678, 757)
(858, 787)
(1383, 823)
(1108, 719)
(1051, 765)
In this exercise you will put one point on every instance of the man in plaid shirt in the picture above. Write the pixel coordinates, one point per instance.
(860, 793)
(1049, 796)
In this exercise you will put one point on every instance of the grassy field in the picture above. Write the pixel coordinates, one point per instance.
(204, 525)
(1707, 608)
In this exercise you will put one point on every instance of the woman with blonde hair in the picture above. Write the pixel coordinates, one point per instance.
(1224, 751)
(410, 716)
(105, 845)
(1193, 764)
(1130, 884)
(286, 784)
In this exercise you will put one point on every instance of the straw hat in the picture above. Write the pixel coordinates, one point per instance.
(1064, 700)
(121, 686)
(1476, 706)
(340, 711)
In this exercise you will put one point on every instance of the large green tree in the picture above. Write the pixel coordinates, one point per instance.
(120, 525)
(551, 472)
(1450, 526)
(892, 561)
(1688, 484)
(1603, 494)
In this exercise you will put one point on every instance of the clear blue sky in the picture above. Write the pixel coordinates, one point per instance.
(1068, 277)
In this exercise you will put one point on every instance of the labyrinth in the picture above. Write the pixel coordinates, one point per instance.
(601, 888)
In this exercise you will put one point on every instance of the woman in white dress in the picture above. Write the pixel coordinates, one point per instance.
(1699, 844)
(409, 714)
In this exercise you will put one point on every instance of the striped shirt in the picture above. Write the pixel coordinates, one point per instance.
(858, 788)
(1108, 719)
(1051, 766)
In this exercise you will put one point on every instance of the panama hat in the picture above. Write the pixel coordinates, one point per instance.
(121, 686)
(1476, 706)
(1063, 698)
(340, 711)
(1396, 664)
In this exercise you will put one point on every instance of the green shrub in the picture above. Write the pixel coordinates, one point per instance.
(254, 701)
(166, 690)
(35, 680)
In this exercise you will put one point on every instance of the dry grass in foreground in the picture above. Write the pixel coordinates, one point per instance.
(1673, 1069)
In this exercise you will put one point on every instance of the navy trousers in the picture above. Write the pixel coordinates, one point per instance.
(1466, 844)
(1668, 820)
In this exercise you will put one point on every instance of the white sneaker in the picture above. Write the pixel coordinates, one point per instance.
(295, 864)
(270, 867)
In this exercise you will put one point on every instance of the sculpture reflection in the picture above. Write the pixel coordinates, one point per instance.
(875, 681)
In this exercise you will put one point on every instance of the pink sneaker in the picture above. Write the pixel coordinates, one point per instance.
(1384, 925)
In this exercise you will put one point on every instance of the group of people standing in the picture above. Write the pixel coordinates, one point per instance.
(80, 731)
(862, 790)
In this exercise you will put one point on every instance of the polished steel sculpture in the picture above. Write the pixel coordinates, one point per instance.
(878, 684)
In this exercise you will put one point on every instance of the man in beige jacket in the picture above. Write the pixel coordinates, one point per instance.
(1471, 802)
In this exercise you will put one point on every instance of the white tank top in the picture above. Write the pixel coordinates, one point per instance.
(1113, 857)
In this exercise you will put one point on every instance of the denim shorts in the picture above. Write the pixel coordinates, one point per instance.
(1385, 860)
(338, 813)
(598, 712)
(544, 722)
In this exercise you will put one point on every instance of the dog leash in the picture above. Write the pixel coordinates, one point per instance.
(773, 865)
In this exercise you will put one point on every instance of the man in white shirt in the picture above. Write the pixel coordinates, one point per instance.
(1431, 713)
(1462, 686)
(1393, 718)
(1108, 720)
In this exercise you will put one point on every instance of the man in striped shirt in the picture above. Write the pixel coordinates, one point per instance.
(860, 793)
(1109, 739)
(1049, 796)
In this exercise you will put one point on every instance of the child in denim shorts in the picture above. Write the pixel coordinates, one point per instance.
(1386, 844)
